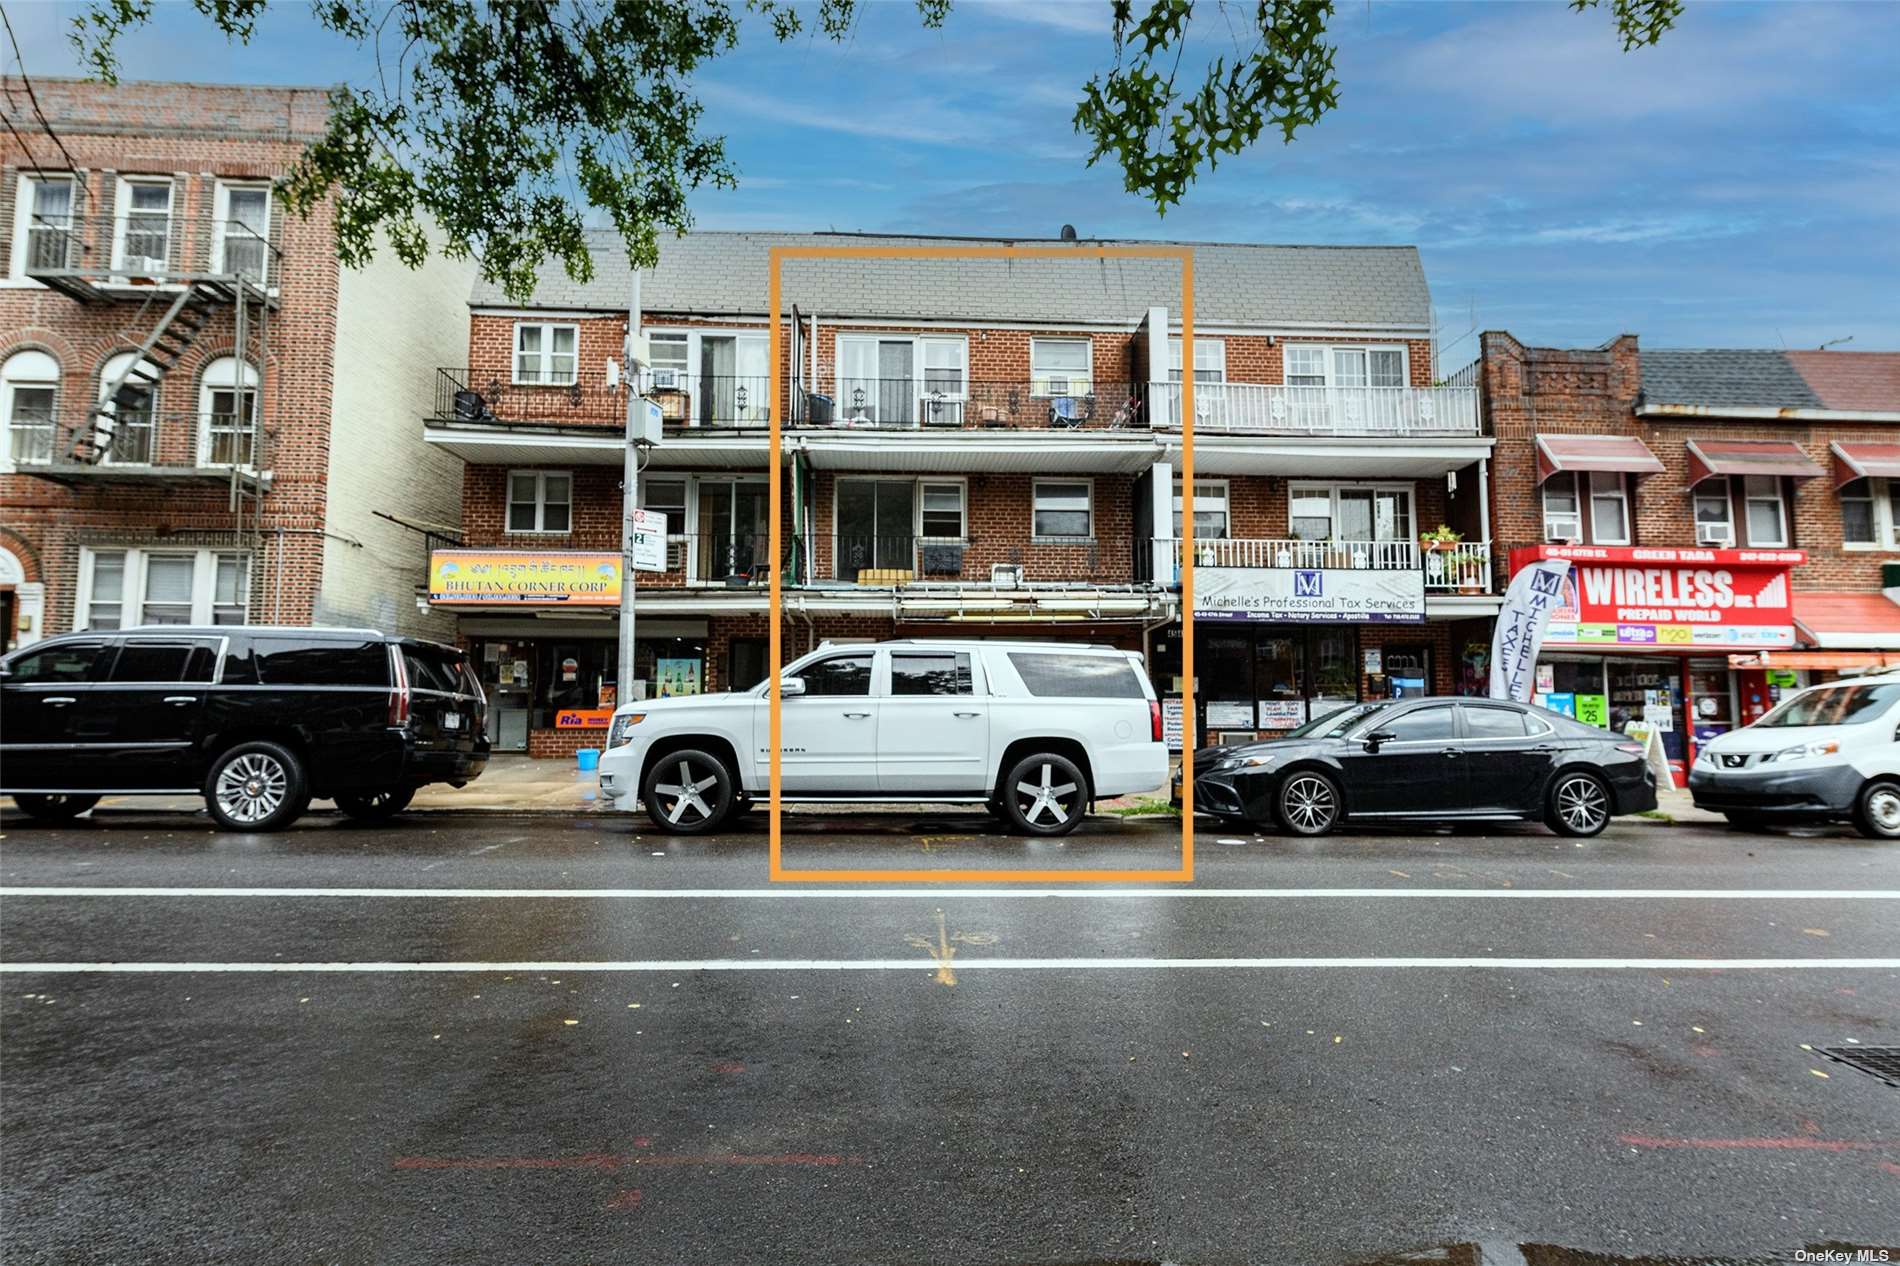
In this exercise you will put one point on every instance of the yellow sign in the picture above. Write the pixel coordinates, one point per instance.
(567, 577)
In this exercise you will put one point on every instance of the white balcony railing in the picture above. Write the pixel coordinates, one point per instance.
(1256, 409)
(1463, 568)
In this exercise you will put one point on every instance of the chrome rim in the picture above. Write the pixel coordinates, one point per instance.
(689, 805)
(1581, 805)
(252, 787)
(1883, 810)
(1034, 799)
(1309, 804)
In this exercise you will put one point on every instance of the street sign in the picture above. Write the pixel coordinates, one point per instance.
(649, 540)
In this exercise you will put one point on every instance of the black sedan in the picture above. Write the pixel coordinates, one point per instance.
(1429, 760)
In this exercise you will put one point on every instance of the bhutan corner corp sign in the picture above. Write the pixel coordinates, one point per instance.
(1634, 598)
(567, 578)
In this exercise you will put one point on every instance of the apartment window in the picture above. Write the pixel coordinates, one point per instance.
(142, 230)
(941, 511)
(43, 224)
(1305, 366)
(1060, 366)
(133, 419)
(1714, 515)
(668, 497)
(1210, 509)
(227, 408)
(1062, 509)
(29, 395)
(1870, 512)
(540, 501)
(1609, 508)
(1309, 366)
(1350, 512)
(120, 588)
(545, 355)
(241, 233)
(1210, 360)
(898, 380)
(1562, 522)
(668, 359)
(1765, 510)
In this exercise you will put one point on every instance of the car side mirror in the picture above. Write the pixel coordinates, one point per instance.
(790, 687)
(1374, 739)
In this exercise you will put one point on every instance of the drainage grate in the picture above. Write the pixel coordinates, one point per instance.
(1876, 1061)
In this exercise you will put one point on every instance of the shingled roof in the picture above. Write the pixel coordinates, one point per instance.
(724, 274)
(1734, 378)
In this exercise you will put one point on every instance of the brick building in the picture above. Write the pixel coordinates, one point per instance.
(1733, 518)
(972, 446)
(201, 413)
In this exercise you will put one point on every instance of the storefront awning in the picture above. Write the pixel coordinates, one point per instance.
(1710, 458)
(1836, 660)
(1623, 453)
(1848, 621)
(1864, 461)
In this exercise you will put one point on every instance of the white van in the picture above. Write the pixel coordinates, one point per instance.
(1035, 731)
(1828, 753)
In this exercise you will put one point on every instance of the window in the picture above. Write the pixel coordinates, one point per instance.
(1767, 513)
(1210, 360)
(943, 366)
(124, 587)
(1062, 510)
(43, 237)
(540, 501)
(142, 230)
(901, 380)
(1494, 723)
(947, 673)
(29, 396)
(69, 662)
(1210, 509)
(1351, 512)
(1870, 512)
(940, 507)
(1059, 366)
(667, 358)
(1712, 510)
(142, 661)
(241, 234)
(1562, 523)
(438, 670)
(1305, 366)
(545, 354)
(131, 411)
(1310, 366)
(227, 404)
(668, 497)
(839, 675)
(1076, 676)
(297, 661)
(1840, 705)
(1421, 725)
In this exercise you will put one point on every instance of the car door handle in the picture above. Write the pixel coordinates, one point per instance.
(58, 701)
(181, 699)
(966, 714)
(1452, 752)
(857, 716)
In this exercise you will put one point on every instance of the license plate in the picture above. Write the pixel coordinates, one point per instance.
(451, 720)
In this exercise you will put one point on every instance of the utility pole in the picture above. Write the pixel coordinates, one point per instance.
(630, 496)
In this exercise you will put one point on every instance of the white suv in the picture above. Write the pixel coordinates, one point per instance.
(1036, 731)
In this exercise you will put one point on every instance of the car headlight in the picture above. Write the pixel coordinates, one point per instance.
(1705, 757)
(1801, 751)
(622, 732)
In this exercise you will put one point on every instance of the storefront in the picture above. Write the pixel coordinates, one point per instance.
(1643, 639)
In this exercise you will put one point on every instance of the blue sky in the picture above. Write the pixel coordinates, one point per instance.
(1737, 186)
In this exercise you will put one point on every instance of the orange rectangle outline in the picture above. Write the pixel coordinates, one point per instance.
(1185, 874)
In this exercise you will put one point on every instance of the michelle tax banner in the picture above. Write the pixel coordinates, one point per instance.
(564, 577)
(1321, 594)
(1535, 592)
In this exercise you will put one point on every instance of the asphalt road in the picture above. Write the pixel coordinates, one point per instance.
(495, 1038)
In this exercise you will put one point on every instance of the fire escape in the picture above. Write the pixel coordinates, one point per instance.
(131, 268)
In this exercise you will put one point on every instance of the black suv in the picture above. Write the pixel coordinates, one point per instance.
(258, 720)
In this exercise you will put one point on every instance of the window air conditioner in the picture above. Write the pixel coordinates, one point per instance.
(1058, 386)
(1563, 531)
(666, 379)
(1006, 576)
(1717, 534)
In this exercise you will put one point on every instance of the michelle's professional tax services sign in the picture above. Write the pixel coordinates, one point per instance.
(1636, 598)
(1300, 594)
(461, 577)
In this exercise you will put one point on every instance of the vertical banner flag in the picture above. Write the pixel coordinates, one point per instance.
(1535, 592)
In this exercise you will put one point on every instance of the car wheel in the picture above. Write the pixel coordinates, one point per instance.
(376, 806)
(1579, 805)
(54, 808)
(1045, 794)
(257, 786)
(1747, 821)
(1877, 811)
(688, 792)
(1308, 803)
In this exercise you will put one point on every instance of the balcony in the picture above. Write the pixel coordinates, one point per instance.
(908, 404)
(145, 448)
(1257, 409)
(853, 559)
(1464, 568)
(103, 256)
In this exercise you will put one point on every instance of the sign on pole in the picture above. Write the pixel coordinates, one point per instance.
(649, 539)
(1535, 592)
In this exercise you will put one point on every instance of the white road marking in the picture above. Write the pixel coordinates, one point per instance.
(929, 893)
(974, 964)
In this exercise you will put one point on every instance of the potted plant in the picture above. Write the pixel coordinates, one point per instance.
(1441, 537)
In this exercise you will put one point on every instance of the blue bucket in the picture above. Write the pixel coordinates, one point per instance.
(589, 758)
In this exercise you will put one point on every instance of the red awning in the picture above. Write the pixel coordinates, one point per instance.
(1708, 458)
(1848, 621)
(1864, 461)
(1623, 453)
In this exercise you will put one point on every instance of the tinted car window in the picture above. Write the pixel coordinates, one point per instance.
(162, 662)
(840, 675)
(69, 662)
(1077, 676)
(1494, 723)
(1421, 724)
(941, 674)
(292, 661)
(1842, 705)
(436, 668)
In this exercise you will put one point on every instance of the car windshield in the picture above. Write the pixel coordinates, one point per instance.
(1840, 705)
(1334, 724)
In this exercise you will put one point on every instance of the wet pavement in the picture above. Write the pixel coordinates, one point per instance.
(493, 1038)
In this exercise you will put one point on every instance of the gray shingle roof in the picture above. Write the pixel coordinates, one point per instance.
(720, 273)
(1736, 378)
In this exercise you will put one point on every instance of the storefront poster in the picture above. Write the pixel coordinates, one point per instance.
(1229, 716)
(508, 577)
(1286, 594)
(1281, 714)
(1659, 717)
(1662, 598)
(1594, 710)
(1546, 678)
(1171, 727)
(521, 671)
(1562, 702)
(676, 677)
(570, 669)
(1374, 658)
(583, 718)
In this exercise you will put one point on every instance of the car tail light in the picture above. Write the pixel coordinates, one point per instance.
(1154, 720)
(399, 697)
